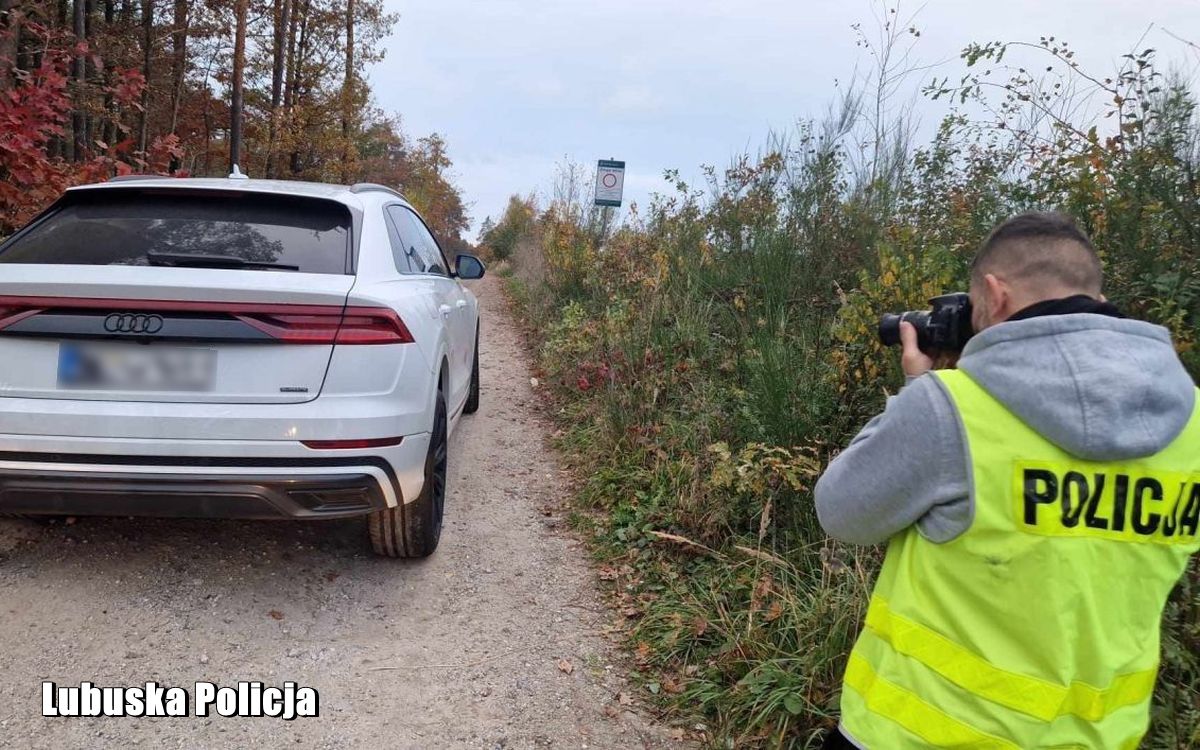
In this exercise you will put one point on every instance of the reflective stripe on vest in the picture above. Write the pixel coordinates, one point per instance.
(1038, 627)
(1039, 698)
(929, 723)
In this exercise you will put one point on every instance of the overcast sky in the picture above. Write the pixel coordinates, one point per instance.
(516, 86)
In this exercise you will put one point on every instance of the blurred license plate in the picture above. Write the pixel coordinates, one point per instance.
(138, 367)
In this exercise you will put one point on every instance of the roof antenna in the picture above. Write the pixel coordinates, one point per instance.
(236, 174)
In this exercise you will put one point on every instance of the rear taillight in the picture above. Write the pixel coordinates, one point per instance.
(373, 325)
(299, 324)
(10, 314)
(313, 326)
(289, 324)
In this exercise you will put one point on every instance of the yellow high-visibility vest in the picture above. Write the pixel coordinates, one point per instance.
(1038, 627)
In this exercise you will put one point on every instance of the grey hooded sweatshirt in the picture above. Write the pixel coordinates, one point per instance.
(1099, 387)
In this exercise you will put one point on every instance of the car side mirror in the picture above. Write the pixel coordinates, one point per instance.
(469, 267)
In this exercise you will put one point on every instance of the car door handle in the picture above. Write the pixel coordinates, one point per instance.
(460, 304)
(445, 310)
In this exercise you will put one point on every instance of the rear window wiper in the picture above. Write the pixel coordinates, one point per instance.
(204, 260)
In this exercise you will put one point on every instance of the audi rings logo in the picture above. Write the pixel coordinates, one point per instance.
(133, 323)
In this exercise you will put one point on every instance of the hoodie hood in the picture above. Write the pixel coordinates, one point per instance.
(1099, 387)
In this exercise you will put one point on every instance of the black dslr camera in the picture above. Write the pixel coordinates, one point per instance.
(945, 328)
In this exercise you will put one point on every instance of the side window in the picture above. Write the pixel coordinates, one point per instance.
(411, 254)
(428, 246)
(399, 250)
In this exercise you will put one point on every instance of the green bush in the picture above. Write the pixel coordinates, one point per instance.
(517, 222)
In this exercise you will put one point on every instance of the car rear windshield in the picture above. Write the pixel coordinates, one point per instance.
(138, 228)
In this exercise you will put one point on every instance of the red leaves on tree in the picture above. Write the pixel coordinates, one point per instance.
(127, 87)
(35, 112)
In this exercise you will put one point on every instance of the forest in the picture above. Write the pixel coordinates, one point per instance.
(90, 89)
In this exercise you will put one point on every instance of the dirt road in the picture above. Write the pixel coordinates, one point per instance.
(494, 642)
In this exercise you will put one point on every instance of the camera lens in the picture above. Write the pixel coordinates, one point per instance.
(889, 329)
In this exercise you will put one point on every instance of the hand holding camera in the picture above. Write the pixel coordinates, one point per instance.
(930, 339)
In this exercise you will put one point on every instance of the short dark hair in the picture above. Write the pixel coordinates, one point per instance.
(1041, 247)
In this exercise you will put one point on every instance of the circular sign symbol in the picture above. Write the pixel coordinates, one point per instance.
(609, 180)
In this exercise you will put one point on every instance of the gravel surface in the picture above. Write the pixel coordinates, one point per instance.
(497, 641)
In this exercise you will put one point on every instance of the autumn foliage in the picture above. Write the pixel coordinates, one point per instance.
(90, 89)
(34, 111)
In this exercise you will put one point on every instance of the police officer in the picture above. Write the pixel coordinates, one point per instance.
(1039, 503)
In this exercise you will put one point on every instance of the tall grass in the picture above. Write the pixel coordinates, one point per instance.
(708, 357)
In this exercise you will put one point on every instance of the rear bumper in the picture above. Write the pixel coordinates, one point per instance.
(249, 495)
(328, 417)
(205, 478)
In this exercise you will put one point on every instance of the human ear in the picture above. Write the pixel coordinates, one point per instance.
(997, 298)
(978, 296)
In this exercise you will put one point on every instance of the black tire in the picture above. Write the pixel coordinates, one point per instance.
(413, 529)
(472, 404)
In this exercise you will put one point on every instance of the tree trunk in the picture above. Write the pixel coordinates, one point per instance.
(239, 69)
(9, 34)
(283, 12)
(91, 78)
(289, 77)
(57, 148)
(298, 80)
(29, 55)
(108, 130)
(147, 55)
(179, 38)
(348, 95)
(207, 115)
(291, 71)
(79, 70)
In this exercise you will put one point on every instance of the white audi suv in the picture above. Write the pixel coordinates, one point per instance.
(234, 348)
